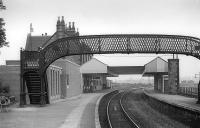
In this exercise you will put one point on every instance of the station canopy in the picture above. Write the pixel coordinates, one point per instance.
(94, 66)
(156, 66)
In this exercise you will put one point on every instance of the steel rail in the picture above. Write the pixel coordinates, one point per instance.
(129, 119)
(107, 110)
(133, 121)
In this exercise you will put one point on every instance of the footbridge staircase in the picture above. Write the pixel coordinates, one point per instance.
(32, 79)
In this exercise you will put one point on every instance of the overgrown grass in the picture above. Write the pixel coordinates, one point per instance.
(147, 116)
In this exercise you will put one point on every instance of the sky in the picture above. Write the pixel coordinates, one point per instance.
(179, 17)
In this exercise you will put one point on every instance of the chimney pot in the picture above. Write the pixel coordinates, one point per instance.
(73, 26)
(63, 21)
(58, 21)
(69, 25)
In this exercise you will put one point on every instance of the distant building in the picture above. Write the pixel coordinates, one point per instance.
(95, 72)
(158, 68)
(166, 74)
(95, 75)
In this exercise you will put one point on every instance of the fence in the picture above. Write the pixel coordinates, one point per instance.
(189, 91)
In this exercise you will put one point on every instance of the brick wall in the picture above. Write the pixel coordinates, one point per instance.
(173, 76)
(71, 80)
(10, 76)
(75, 80)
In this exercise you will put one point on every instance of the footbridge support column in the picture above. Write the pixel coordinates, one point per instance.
(198, 97)
(42, 93)
(42, 79)
(173, 76)
(22, 82)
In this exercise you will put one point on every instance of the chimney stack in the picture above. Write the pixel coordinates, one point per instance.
(58, 25)
(60, 28)
(63, 24)
(70, 27)
(73, 26)
(63, 21)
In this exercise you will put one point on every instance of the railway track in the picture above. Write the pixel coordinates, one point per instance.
(131, 109)
(117, 114)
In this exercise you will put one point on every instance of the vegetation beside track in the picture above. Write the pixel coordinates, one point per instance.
(146, 115)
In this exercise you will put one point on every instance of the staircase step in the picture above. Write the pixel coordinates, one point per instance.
(33, 83)
(34, 88)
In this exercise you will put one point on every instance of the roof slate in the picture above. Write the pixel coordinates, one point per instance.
(34, 42)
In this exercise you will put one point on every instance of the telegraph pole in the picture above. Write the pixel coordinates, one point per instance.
(198, 76)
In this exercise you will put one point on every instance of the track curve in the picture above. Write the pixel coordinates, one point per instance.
(117, 115)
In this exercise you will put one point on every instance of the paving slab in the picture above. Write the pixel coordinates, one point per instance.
(70, 113)
(178, 100)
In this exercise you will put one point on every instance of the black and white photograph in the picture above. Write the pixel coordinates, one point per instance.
(99, 63)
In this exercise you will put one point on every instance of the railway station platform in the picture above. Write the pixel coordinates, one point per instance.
(177, 100)
(78, 112)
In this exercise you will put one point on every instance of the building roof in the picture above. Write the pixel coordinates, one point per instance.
(99, 61)
(34, 42)
(157, 58)
(94, 66)
(51, 39)
(156, 66)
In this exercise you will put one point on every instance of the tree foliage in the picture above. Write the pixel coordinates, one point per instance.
(2, 34)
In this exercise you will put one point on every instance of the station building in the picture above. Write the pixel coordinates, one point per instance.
(166, 74)
(64, 76)
(95, 73)
(157, 68)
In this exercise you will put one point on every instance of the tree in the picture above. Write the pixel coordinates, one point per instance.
(2, 34)
(2, 30)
